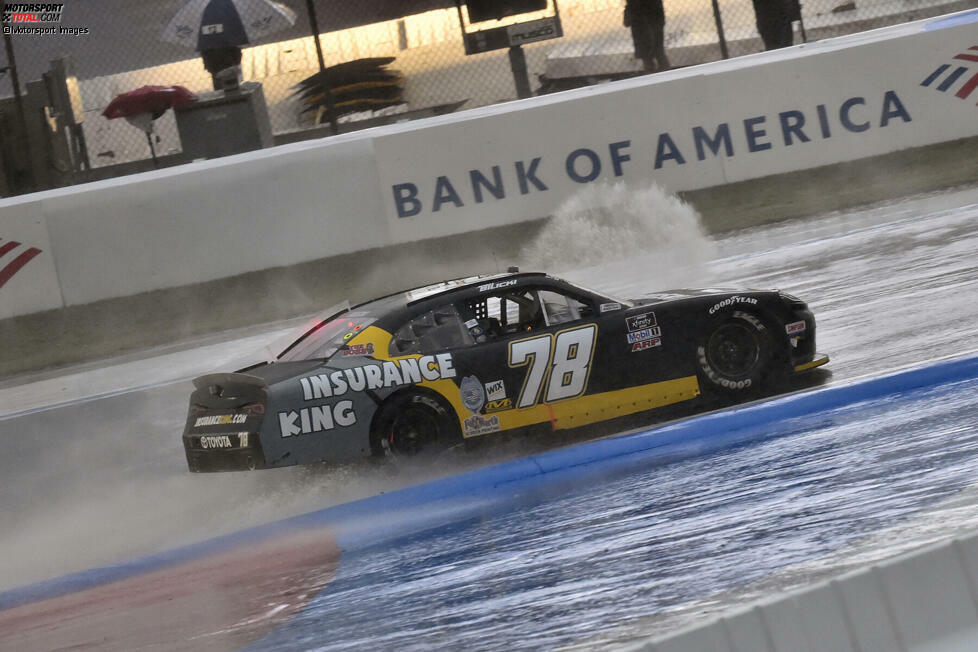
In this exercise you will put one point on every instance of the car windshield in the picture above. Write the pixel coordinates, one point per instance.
(321, 336)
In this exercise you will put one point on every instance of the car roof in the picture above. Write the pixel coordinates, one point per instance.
(399, 305)
(419, 294)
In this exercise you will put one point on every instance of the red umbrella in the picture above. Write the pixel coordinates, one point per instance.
(154, 100)
(143, 105)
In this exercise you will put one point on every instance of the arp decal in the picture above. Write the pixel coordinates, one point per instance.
(640, 322)
(646, 344)
(391, 373)
(319, 418)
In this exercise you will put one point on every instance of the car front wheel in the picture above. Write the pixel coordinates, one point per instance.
(735, 354)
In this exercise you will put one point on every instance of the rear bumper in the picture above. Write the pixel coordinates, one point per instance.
(234, 458)
(223, 422)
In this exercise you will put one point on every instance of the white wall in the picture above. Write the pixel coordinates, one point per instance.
(922, 602)
(317, 199)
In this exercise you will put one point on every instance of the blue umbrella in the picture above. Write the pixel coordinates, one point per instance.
(212, 24)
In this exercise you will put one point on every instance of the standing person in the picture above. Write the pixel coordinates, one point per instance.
(647, 19)
(774, 22)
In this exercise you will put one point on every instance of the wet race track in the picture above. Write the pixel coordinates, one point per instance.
(99, 480)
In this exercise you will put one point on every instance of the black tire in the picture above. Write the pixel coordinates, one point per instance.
(412, 423)
(735, 355)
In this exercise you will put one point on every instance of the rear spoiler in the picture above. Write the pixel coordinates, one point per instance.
(229, 379)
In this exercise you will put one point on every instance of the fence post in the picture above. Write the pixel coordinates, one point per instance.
(327, 94)
(719, 21)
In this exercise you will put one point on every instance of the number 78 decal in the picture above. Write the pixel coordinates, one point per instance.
(559, 364)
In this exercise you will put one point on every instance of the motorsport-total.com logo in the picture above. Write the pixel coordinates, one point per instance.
(35, 18)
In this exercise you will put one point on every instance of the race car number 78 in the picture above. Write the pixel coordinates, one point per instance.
(562, 363)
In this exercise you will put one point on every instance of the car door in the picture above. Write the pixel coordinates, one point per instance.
(533, 357)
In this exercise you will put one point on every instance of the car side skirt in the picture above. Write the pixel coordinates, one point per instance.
(593, 408)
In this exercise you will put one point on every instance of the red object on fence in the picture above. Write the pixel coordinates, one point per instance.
(154, 100)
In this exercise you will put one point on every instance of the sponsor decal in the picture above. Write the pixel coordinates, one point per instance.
(220, 420)
(498, 284)
(477, 425)
(472, 323)
(795, 328)
(211, 442)
(499, 406)
(472, 393)
(319, 418)
(216, 441)
(640, 322)
(495, 390)
(391, 373)
(729, 301)
(643, 335)
(359, 349)
(609, 307)
(741, 136)
(646, 344)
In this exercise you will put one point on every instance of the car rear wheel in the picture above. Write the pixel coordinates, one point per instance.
(413, 423)
(735, 354)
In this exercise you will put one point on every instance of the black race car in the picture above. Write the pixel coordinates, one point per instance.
(438, 365)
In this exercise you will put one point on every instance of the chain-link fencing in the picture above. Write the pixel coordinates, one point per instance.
(116, 46)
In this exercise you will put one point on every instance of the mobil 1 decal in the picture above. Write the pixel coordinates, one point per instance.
(557, 366)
